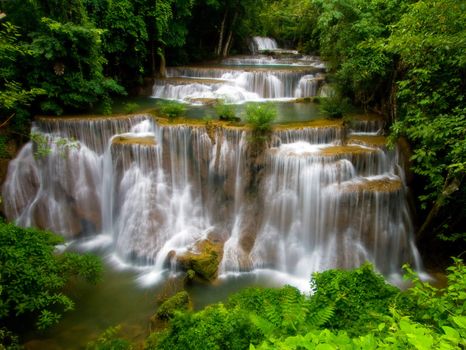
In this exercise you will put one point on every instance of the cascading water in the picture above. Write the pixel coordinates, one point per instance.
(155, 190)
(260, 43)
(235, 86)
(245, 78)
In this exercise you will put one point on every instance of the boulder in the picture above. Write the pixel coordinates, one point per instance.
(204, 259)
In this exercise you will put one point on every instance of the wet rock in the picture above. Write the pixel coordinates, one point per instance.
(178, 302)
(171, 287)
(204, 259)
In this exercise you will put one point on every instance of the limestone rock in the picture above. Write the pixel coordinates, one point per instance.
(204, 259)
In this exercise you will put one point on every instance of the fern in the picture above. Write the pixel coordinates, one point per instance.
(321, 317)
(294, 308)
(265, 326)
(272, 314)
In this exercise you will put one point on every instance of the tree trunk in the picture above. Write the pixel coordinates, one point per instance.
(152, 57)
(451, 185)
(226, 49)
(162, 67)
(221, 34)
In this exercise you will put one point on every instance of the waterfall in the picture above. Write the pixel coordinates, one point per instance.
(156, 190)
(260, 43)
(236, 85)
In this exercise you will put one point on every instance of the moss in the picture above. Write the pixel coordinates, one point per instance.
(368, 140)
(204, 101)
(179, 302)
(204, 259)
(316, 123)
(85, 117)
(383, 185)
(143, 141)
(200, 123)
(365, 117)
(336, 150)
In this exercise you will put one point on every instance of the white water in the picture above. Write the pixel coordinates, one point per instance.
(260, 43)
(245, 78)
(236, 86)
(314, 207)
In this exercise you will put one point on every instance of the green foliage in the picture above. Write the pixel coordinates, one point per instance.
(172, 109)
(8, 340)
(225, 112)
(260, 117)
(43, 145)
(179, 302)
(14, 97)
(360, 297)
(69, 66)
(440, 306)
(334, 106)
(130, 107)
(109, 340)
(430, 40)
(215, 327)
(359, 309)
(3, 147)
(33, 276)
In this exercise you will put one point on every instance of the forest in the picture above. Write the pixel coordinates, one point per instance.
(404, 60)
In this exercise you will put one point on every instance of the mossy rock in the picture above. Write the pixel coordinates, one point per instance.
(179, 302)
(204, 259)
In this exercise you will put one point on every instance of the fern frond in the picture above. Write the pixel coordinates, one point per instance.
(265, 326)
(320, 317)
(272, 314)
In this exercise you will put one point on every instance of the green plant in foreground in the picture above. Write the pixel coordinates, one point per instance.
(33, 276)
(109, 340)
(172, 109)
(179, 302)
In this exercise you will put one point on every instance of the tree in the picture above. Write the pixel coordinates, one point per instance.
(68, 64)
(124, 38)
(430, 40)
(33, 276)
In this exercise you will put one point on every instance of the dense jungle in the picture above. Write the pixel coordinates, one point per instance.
(213, 174)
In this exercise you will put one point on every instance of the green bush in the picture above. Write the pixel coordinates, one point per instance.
(33, 276)
(360, 297)
(334, 106)
(225, 112)
(130, 107)
(173, 109)
(214, 328)
(261, 116)
(109, 340)
(179, 302)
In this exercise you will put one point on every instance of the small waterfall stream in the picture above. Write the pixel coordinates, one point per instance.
(155, 190)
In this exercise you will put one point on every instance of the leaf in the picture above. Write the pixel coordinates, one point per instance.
(460, 321)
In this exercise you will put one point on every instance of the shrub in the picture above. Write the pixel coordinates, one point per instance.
(334, 106)
(360, 297)
(179, 302)
(109, 340)
(173, 109)
(33, 276)
(214, 328)
(261, 116)
(130, 107)
(225, 112)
